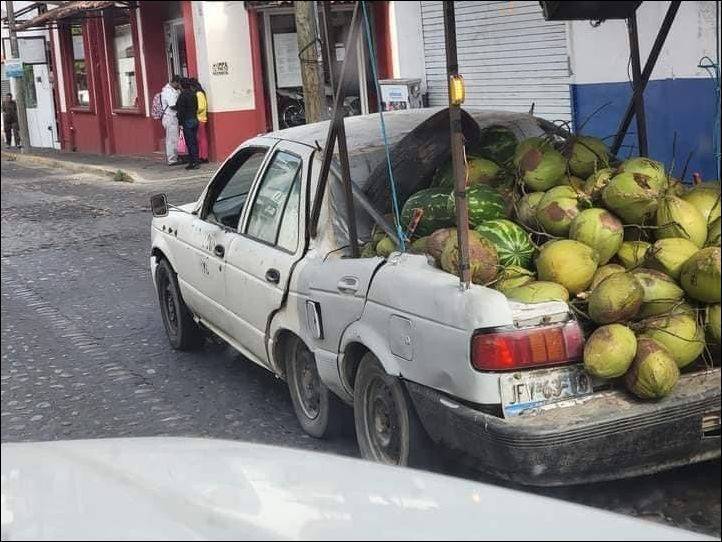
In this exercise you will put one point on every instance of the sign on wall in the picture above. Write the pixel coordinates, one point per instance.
(285, 56)
(219, 68)
(31, 49)
(13, 68)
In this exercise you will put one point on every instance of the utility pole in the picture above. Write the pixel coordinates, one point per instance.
(19, 82)
(314, 95)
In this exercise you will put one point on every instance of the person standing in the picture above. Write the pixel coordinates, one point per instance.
(202, 121)
(10, 120)
(187, 110)
(168, 98)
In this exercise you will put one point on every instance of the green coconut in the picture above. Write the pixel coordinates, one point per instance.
(567, 262)
(609, 351)
(571, 180)
(678, 218)
(483, 259)
(706, 199)
(419, 245)
(713, 234)
(596, 182)
(603, 272)
(513, 277)
(557, 209)
(538, 292)
(478, 170)
(651, 169)
(680, 333)
(616, 299)
(436, 241)
(660, 291)
(385, 247)
(599, 229)
(526, 209)
(676, 187)
(713, 323)
(542, 168)
(653, 373)
(668, 255)
(700, 276)
(631, 254)
(587, 155)
(632, 197)
(528, 144)
(368, 250)
(658, 308)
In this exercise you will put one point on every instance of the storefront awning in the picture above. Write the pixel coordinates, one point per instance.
(66, 10)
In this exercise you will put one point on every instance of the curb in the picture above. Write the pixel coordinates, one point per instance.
(133, 176)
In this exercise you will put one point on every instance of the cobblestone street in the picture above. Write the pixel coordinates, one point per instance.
(84, 353)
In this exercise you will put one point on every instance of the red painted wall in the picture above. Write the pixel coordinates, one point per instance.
(187, 9)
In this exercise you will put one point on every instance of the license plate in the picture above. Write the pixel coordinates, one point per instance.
(538, 390)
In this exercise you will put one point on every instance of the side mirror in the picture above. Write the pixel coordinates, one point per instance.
(159, 205)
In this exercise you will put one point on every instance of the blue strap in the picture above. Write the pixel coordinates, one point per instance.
(374, 69)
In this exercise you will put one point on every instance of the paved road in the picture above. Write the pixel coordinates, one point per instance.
(84, 353)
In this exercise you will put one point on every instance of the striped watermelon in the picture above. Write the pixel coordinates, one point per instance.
(512, 242)
(437, 205)
(485, 203)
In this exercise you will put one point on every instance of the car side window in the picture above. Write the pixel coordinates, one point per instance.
(229, 196)
(276, 205)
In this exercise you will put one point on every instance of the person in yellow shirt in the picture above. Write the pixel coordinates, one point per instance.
(202, 121)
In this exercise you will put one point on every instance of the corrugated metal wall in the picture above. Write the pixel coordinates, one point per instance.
(508, 54)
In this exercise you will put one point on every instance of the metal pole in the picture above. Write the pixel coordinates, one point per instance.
(332, 137)
(457, 148)
(20, 82)
(646, 73)
(637, 83)
(325, 44)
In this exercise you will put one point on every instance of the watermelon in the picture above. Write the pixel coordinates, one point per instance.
(496, 143)
(437, 205)
(512, 242)
(485, 203)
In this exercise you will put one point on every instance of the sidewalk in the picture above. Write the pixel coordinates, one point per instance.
(139, 169)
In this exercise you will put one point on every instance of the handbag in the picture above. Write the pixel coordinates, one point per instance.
(182, 148)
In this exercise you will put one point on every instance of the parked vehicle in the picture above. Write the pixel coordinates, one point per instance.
(396, 338)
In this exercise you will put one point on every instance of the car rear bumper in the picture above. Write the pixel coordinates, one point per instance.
(605, 436)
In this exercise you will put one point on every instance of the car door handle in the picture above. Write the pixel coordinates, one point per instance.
(219, 251)
(273, 275)
(348, 285)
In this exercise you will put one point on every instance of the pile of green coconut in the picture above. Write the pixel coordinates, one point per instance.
(632, 250)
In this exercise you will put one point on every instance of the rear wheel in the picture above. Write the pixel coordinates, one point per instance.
(388, 429)
(319, 411)
(182, 331)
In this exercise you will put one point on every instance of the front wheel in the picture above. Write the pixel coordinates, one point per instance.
(388, 429)
(182, 331)
(320, 413)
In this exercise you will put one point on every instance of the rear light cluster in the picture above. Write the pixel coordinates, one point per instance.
(532, 347)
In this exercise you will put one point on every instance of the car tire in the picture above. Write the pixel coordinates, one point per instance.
(388, 428)
(182, 331)
(320, 413)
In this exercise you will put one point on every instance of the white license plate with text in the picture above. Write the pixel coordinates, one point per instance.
(530, 390)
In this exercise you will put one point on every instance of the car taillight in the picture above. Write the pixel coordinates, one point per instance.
(532, 347)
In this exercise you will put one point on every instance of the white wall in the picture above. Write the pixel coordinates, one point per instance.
(223, 35)
(407, 40)
(601, 54)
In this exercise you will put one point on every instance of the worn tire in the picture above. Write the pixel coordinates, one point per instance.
(383, 408)
(319, 412)
(182, 331)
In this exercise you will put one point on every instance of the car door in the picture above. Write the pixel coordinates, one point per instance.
(202, 269)
(261, 257)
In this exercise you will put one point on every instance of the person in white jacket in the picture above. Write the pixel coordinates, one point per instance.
(168, 97)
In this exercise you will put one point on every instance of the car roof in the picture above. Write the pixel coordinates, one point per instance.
(363, 132)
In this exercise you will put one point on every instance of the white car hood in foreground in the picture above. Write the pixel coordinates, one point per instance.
(169, 488)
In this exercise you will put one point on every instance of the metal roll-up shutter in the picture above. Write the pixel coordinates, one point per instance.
(509, 56)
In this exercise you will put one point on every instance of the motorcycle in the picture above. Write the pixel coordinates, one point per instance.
(292, 111)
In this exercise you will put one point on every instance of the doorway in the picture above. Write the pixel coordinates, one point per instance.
(283, 67)
(175, 48)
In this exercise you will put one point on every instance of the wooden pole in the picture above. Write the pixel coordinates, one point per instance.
(457, 149)
(314, 95)
(19, 82)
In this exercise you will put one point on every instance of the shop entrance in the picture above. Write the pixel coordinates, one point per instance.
(283, 67)
(175, 48)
